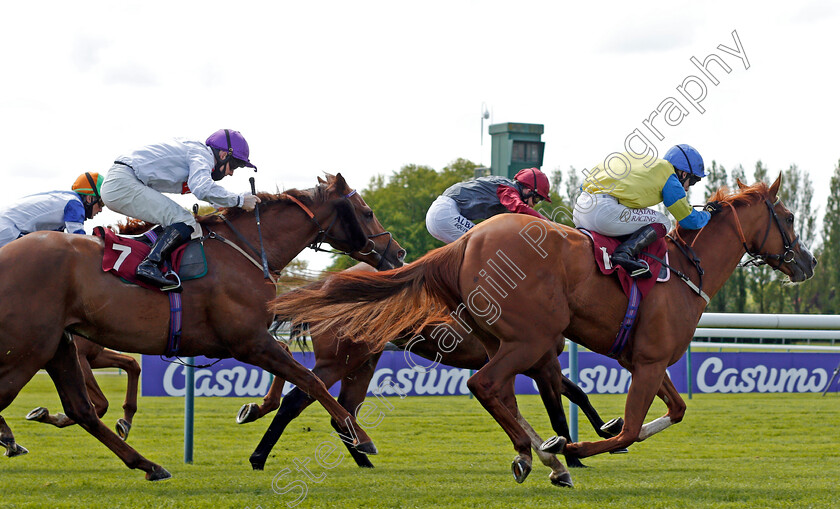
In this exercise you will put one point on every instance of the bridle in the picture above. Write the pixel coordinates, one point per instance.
(324, 234)
(758, 258)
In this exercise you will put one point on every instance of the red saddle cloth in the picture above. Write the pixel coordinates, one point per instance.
(604, 246)
(122, 256)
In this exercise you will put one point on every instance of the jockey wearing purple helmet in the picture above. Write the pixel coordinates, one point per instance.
(135, 183)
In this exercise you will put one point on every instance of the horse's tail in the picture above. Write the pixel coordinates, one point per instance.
(378, 307)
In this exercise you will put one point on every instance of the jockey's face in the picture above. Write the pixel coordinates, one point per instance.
(97, 206)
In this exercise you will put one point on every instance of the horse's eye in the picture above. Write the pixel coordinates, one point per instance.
(369, 214)
(790, 219)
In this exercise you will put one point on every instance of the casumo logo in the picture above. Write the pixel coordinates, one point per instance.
(603, 380)
(436, 381)
(712, 377)
(237, 381)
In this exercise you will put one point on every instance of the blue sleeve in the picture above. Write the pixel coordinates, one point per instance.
(74, 217)
(674, 198)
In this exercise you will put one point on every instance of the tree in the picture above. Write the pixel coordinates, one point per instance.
(401, 202)
(827, 273)
(724, 300)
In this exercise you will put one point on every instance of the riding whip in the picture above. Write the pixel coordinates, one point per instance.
(259, 231)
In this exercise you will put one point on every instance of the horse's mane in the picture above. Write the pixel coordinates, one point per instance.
(308, 197)
(742, 196)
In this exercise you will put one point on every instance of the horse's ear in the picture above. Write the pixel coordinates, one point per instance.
(321, 181)
(774, 189)
(741, 185)
(340, 184)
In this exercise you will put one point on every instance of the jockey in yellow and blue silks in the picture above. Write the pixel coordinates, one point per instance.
(615, 203)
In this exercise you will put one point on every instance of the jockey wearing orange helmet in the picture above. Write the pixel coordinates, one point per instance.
(452, 214)
(53, 210)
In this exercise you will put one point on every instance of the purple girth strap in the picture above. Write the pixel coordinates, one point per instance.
(627, 324)
(174, 342)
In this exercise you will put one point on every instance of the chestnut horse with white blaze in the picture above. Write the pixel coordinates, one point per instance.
(53, 286)
(522, 285)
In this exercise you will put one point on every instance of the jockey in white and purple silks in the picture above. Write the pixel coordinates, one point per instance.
(53, 210)
(135, 183)
(452, 214)
(617, 204)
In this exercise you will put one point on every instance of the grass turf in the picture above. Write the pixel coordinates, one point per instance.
(732, 450)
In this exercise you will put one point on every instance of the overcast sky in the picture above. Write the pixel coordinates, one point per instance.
(363, 88)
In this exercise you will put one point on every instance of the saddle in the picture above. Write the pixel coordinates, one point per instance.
(635, 289)
(123, 253)
(603, 247)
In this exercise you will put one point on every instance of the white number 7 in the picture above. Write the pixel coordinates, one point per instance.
(124, 252)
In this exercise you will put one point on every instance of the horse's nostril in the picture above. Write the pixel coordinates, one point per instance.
(401, 254)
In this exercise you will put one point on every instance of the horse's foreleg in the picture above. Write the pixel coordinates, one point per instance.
(549, 380)
(111, 359)
(647, 380)
(669, 395)
(354, 388)
(280, 362)
(292, 405)
(67, 376)
(250, 412)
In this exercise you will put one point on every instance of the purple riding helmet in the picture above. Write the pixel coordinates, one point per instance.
(236, 147)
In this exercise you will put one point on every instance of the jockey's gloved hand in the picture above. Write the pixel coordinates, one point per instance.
(249, 202)
(713, 207)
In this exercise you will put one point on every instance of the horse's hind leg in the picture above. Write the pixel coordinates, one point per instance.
(67, 376)
(110, 359)
(97, 398)
(7, 440)
(329, 371)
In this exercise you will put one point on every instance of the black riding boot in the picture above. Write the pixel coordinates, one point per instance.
(148, 270)
(626, 252)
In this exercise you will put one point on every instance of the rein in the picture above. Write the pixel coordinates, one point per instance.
(757, 258)
(323, 234)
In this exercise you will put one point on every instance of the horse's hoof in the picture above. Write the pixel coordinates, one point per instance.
(16, 450)
(623, 450)
(574, 462)
(366, 448)
(123, 428)
(521, 467)
(248, 413)
(257, 462)
(553, 445)
(564, 480)
(158, 474)
(613, 427)
(37, 414)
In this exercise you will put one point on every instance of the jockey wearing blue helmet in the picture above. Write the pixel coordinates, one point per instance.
(686, 159)
(619, 204)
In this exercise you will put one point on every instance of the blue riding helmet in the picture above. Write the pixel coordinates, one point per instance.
(686, 158)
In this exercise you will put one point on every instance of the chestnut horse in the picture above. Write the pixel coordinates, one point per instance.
(92, 356)
(523, 284)
(224, 313)
(354, 364)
